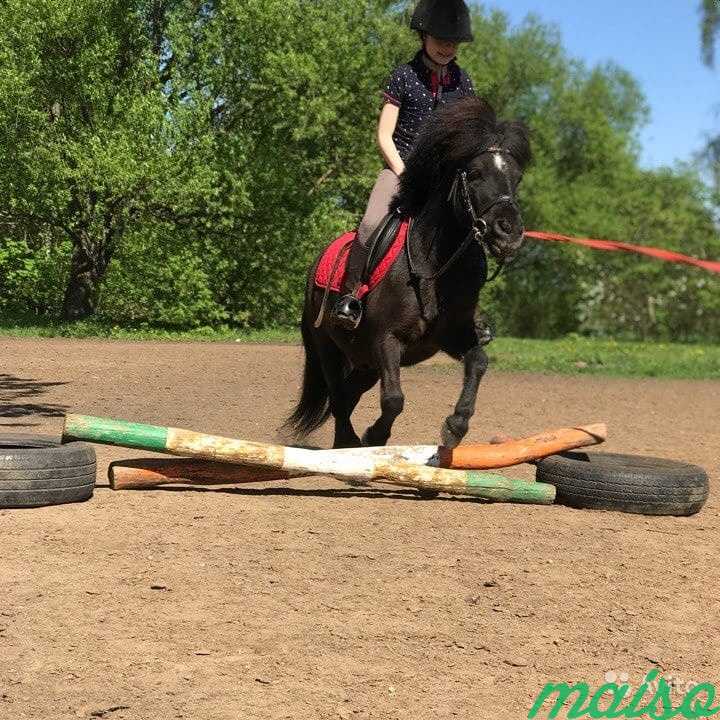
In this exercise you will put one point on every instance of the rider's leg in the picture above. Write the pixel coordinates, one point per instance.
(349, 309)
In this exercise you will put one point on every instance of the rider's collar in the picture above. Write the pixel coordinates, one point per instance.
(430, 64)
(444, 72)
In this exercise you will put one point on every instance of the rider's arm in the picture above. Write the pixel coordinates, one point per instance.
(385, 130)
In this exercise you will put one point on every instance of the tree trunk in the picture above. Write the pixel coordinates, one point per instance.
(86, 274)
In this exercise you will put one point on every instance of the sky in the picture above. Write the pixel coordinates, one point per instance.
(659, 43)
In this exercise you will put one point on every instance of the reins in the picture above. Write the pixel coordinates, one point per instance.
(478, 231)
(472, 235)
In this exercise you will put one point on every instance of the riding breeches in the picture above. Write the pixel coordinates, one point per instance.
(377, 208)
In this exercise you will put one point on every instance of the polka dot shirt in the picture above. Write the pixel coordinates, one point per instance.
(417, 91)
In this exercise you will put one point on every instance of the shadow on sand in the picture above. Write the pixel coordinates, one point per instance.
(366, 492)
(21, 398)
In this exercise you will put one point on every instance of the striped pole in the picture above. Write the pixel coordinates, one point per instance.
(154, 472)
(187, 443)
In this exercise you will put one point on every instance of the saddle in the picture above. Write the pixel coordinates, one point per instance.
(384, 246)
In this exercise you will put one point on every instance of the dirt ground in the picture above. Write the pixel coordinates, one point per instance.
(311, 599)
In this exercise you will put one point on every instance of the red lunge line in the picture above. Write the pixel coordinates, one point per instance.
(669, 255)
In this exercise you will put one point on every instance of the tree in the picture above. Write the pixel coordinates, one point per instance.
(180, 162)
(709, 29)
(294, 91)
(237, 127)
(92, 144)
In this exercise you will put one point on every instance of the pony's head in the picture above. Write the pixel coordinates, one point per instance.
(468, 162)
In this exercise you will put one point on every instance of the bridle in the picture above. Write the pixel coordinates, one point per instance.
(479, 227)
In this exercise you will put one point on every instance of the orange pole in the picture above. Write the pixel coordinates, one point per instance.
(153, 472)
(514, 452)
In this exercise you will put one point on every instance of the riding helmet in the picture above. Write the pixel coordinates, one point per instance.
(443, 19)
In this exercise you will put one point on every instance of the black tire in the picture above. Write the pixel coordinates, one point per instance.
(628, 483)
(36, 470)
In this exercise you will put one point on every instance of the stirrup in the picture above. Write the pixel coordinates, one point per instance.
(348, 311)
(485, 333)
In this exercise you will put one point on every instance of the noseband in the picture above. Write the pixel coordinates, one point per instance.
(479, 227)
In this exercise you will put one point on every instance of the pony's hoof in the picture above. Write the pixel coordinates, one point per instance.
(347, 443)
(453, 431)
(370, 440)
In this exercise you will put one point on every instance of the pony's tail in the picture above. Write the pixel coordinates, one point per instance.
(313, 408)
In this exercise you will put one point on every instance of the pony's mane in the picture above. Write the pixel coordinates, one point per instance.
(449, 140)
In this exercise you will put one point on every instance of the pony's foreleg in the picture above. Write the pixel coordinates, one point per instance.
(388, 354)
(475, 361)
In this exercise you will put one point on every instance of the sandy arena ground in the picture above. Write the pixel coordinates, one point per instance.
(310, 599)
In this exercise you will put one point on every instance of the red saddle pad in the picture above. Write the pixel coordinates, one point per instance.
(333, 263)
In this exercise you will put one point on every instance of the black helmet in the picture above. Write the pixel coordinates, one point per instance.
(443, 19)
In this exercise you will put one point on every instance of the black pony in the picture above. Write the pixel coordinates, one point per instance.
(459, 187)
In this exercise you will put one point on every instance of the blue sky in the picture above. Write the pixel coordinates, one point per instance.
(659, 43)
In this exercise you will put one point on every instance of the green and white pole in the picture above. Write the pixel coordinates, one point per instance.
(341, 464)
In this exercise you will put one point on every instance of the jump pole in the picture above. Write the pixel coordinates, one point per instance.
(187, 443)
(488, 456)
(154, 472)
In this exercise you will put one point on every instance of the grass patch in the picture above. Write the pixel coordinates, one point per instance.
(591, 356)
(33, 327)
(572, 355)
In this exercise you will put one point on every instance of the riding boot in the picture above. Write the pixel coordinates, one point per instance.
(348, 309)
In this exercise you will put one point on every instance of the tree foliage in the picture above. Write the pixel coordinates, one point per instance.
(180, 162)
(709, 32)
(709, 29)
(92, 145)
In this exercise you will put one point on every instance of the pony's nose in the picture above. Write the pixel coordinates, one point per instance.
(507, 237)
(503, 227)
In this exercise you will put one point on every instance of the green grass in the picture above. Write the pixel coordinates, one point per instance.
(32, 327)
(591, 356)
(572, 355)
